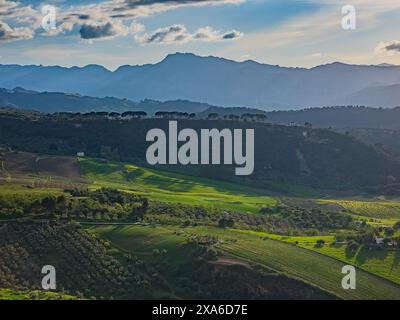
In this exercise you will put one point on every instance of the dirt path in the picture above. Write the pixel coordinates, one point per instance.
(229, 261)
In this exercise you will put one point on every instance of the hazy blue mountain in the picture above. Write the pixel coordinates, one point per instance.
(335, 117)
(215, 81)
(384, 96)
(61, 102)
(340, 117)
(152, 106)
(226, 111)
(51, 102)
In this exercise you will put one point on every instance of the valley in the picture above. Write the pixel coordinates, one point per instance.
(183, 225)
(199, 157)
(186, 233)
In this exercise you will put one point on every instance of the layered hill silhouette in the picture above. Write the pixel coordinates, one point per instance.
(340, 117)
(50, 102)
(218, 81)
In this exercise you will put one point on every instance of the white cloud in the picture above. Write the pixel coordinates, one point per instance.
(178, 33)
(171, 34)
(137, 27)
(388, 47)
(14, 10)
(317, 55)
(99, 20)
(208, 34)
(11, 34)
(106, 30)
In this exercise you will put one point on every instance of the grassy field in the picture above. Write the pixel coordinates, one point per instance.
(16, 191)
(172, 187)
(306, 265)
(378, 276)
(373, 209)
(19, 197)
(383, 262)
(142, 240)
(8, 294)
(291, 239)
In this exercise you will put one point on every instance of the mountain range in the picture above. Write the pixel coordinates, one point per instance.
(218, 81)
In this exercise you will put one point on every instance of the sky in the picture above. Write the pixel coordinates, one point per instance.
(302, 33)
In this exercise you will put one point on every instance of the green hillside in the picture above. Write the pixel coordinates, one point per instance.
(316, 269)
(372, 209)
(172, 187)
(382, 262)
(285, 260)
(8, 294)
(283, 155)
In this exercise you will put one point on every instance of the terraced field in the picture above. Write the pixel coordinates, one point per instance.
(306, 265)
(172, 187)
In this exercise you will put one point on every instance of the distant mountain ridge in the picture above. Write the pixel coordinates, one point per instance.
(340, 117)
(50, 102)
(218, 81)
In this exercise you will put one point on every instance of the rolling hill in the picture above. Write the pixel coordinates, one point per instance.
(170, 255)
(340, 117)
(283, 155)
(51, 102)
(383, 96)
(172, 187)
(316, 269)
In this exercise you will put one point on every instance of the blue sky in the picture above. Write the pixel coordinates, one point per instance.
(116, 32)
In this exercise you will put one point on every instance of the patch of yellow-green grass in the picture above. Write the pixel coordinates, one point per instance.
(382, 262)
(9, 294)
(19, 196)
(172, 187)
(317, 269)
(373, 209)
(375, 221)
(10, 190)
(290, 239)
(307, 265)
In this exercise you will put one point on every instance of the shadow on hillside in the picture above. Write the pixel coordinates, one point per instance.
(159, 182)
(350, 253)
(396, 259)
(365, 254)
